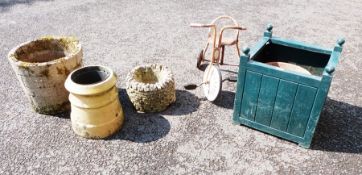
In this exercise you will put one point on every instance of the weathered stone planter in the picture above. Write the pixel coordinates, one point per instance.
(42, 66)
(96, 110)
(151, 88)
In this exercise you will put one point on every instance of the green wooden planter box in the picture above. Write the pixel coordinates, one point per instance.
(284, 103)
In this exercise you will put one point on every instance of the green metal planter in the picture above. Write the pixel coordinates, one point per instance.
(280, 102)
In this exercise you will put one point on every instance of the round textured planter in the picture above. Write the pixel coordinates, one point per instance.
(42, 66)
(96, 110)
(151, 88)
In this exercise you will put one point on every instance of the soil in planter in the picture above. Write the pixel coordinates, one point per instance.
(44, 50)
(147, 75)
(90, 75)
(313, 62)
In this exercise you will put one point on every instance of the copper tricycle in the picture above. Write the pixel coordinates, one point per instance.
(212, 80)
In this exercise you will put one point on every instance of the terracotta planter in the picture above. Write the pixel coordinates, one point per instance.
(42, 66)
(291, 67)
(151, 88)
(96, 110)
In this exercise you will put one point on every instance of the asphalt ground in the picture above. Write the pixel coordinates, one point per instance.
(194, 136)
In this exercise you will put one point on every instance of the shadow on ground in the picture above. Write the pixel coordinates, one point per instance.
(186, 103)
(339, 128)
(148, 127)
(63, 115)
(6, 4)
(203, 67)
(225, 99)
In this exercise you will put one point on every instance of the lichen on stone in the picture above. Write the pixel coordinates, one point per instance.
(151, 88)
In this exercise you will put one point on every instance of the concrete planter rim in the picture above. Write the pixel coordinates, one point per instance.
(134, 84)
(12, 55)
(94, 88)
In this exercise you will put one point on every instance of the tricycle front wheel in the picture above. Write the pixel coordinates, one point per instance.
(212, 82)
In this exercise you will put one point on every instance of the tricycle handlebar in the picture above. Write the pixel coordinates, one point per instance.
(201, 25)
(233, 27)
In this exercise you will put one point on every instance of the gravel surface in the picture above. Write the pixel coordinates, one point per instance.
(193, 136)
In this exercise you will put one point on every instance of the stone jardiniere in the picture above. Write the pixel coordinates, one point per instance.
(96, 110)
(151, 88)
(42, 66)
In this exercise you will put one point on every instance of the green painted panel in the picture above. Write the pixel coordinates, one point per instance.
(301, 45)
(250, 95)
(302, 107)
(316, 110)
(239, 91)
(267, 94)
(270, 130)
(283, 104)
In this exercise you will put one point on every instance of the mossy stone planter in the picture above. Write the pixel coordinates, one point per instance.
(96, 109)
(41, 66)
(151, 88)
